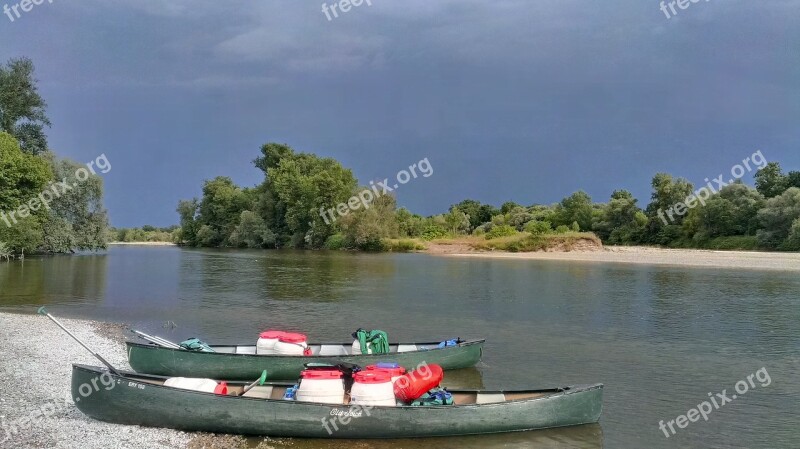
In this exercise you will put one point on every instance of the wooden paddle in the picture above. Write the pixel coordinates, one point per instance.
(259, 381)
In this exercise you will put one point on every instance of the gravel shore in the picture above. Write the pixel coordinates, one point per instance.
(36, 409)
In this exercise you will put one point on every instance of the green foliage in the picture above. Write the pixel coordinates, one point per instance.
(508, 206)
(5, 251)
(777, 219)
(620, 221)
(770, 180)
(297, 188)
(408, 224)
(187, 211)
(335, 241)
(562, 229)
(251, 232)
(220, 210)
(365, 229)
(732, 211)
(76, 218)
(146, 233)
(457, 222)
(433, 231)
(733, 242)
(536, 227)
(207, 236)
(22, 176)
(574, 208)
(402, 246)
(22, 110)
(667, 192)
(792, 242)
(478, 213)
(501, 231)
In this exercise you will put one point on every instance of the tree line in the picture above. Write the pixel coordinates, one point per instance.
(283, 212)
(36, 215)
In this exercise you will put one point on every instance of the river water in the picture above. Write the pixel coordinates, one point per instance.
(660, 338)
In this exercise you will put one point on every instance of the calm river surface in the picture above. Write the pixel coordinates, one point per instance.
(659, 338)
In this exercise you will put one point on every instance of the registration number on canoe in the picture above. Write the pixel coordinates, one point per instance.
(136, 385)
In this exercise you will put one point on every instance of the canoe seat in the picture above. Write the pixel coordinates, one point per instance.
(332, 350)
(490, 398)
(407, 348)
(260, 392)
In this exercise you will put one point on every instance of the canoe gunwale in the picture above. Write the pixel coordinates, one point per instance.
(463, 344)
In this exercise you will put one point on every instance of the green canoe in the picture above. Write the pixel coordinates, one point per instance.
(138, 399)
(241, 363)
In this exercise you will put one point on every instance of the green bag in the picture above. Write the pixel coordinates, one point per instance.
(194, 344)
(436, 396)
(378, 339)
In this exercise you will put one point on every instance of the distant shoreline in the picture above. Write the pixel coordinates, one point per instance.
(142, 244)
(640, 255)
(633, 255)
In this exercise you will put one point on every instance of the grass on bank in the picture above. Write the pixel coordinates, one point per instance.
(527, 242)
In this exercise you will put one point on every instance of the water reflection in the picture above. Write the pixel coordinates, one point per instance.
(61, 279)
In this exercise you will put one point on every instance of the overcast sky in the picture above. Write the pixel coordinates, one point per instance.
(522, 100)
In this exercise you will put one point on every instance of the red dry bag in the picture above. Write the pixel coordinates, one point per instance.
(414, 384)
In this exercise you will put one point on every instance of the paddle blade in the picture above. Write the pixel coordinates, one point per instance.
(42, 311)
(263, 378)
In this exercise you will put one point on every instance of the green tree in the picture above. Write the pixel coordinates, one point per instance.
(22, 110)
(76, 218)
(478, 213)
(220, 210)
(365, 229)
(777, 218)
(457, 221)
(770, 180)
(792, 243)
(663, 220)
(793, 179)
(409, 225)
(732, 211)
(304, 186)
(536, 227)
(507, 207)
(187, 211)
(252, 232)
(575, 208)
(22, 176)
(620, 221)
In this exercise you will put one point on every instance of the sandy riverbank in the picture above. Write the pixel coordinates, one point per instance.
(36, 409)
(754, 260)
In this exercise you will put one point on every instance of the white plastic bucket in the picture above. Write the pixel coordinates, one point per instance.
(357, 347)
(325, 387)
(194, 384)
(372, 388)
(266, 342)
(291, 344)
